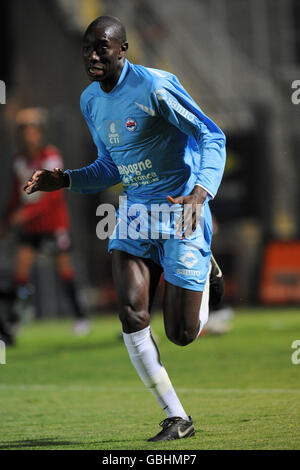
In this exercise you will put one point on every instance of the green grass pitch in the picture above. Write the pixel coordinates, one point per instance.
(58, 391)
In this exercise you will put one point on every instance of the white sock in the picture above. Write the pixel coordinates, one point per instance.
(145, 357)
(204, 307)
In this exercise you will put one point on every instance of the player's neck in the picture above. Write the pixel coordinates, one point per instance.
(110, 83)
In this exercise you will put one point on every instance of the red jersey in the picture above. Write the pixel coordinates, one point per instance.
(44, 212)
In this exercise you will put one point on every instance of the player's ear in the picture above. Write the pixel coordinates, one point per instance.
(124, 46)
(123, 49)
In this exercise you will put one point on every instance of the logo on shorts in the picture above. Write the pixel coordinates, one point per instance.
(189, 259)
(131, 124)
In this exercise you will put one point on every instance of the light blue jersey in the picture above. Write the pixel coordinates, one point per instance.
(150, 135)
(153, 137)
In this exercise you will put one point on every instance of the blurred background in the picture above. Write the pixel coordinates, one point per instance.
(238, 60)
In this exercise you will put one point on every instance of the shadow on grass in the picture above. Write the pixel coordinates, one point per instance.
(36, 443)
(21, 444)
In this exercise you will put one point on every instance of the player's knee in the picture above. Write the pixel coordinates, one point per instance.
(133, 319)
(182, 337)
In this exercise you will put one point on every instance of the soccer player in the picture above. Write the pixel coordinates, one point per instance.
(153, 137)
(42, 222)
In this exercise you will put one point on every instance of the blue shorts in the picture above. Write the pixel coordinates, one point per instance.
(185, 262)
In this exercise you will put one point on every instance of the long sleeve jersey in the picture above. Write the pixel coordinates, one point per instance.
(151, 136)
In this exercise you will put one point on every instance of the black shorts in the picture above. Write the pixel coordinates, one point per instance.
(48, 243)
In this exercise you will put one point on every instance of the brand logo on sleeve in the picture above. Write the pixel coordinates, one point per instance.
(161, 94)
(174, 104)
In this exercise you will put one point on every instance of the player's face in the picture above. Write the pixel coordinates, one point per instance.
(103, 55)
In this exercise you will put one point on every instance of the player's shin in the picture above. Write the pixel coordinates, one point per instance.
(145, 357)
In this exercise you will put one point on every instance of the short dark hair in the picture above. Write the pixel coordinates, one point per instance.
(109, 22)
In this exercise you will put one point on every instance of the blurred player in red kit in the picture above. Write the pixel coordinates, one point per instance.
(42, 220)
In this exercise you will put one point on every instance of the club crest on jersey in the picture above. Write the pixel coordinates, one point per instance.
(131, 124)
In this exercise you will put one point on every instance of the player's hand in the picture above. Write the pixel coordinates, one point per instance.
(45, 180)
(191, 213)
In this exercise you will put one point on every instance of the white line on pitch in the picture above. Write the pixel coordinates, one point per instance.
(95, 388)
